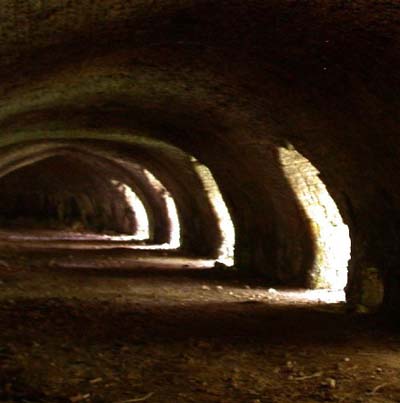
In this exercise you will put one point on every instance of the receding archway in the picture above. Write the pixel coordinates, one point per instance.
(65, 192)
(330, 233)
(226, 250)
(19, 156)
(127, 178)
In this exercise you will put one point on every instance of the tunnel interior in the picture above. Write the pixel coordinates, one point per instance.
(65, 192)
(199, 201)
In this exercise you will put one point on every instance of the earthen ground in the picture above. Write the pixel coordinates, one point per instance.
(103, 336)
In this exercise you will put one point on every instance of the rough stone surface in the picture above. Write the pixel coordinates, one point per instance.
(331, 236)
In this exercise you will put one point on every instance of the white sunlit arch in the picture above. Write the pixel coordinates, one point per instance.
(227, 229)
(172, 212)
(137, 206)
(331, 234)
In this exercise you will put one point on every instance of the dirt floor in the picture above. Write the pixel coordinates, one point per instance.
(41, 239)
(75, 335)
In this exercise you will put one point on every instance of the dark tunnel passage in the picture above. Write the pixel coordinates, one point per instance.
(65, 192)
(199, 201)
(108, 189)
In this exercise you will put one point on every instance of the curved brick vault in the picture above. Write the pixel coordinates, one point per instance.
(85, 171)
(100, 163)
(65, 190)
(228, 82)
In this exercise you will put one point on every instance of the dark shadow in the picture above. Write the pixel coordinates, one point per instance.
(105, 322)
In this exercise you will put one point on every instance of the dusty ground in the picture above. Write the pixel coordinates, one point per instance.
(71, 335)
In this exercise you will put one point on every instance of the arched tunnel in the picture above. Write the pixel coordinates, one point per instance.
(199, 201)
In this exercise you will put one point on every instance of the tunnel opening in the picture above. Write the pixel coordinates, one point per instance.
(63, 192)
(171, 213)
(161, 212)
(226, 250)
(332, 243)
(135, 206)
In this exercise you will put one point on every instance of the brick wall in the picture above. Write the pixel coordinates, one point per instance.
(331, 235)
